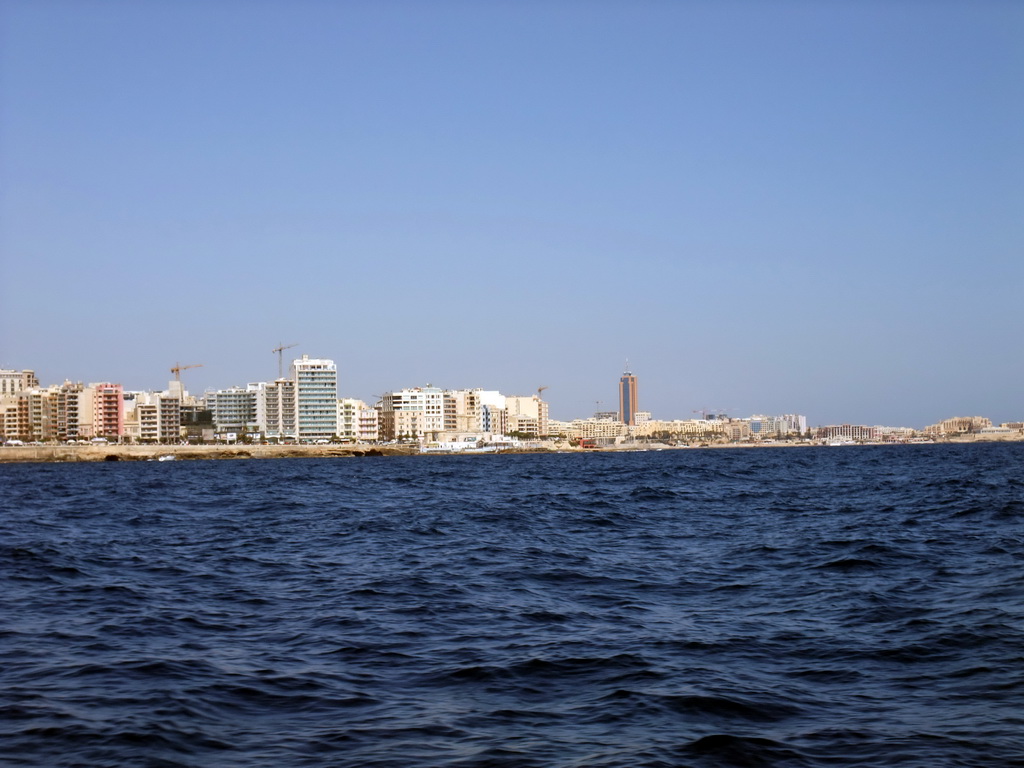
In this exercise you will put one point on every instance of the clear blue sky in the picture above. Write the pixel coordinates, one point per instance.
(767, 207)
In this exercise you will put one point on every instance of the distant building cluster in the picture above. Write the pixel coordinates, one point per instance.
(304, 407)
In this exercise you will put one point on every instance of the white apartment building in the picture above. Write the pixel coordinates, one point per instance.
(153, 417)
(410, 414)
(279, 407)
(349, 410)
(316, 398)
(369, 431)
(777, 426)
(235, 409)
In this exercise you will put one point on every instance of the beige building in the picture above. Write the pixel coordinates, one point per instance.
(153, 417)
(356, 421)
(43, 414)
(959, 425)
(527, 415)
(580, 429)
(680, 429)
(12, 382)
(13, 418)
(426, 413)
(462, 410)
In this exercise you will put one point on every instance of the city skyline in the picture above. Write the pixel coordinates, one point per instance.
(318, 372)
(767, 208)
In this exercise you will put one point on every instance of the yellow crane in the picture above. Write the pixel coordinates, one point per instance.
(178, 368)
(279, 351)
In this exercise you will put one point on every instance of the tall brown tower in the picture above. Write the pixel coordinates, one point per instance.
(628, 398)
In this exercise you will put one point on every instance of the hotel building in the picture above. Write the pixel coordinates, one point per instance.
(316, 398)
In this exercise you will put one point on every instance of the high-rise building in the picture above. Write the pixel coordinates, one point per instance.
(108, 410)
(628, 399)
(316, 399)
(279, 409)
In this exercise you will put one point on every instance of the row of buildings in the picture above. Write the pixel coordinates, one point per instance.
(304, 406)
(301, 407)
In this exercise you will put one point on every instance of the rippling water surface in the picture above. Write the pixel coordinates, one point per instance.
(773, 607)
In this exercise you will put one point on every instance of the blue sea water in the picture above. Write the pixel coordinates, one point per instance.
(850, 606)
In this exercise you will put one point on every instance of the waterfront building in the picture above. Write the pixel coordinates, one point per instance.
(462, 410)
(108, 410)
(593, 428)
(316, 398)
(279, 406)
(736, 429)
(153, 417)
(234, 409)
(795, 421)
(895, 434)
(40, 414)
(958, 425)
(680, 429)
(628, 404)
(424, 413)
(350, 418)
(410, 414)
(855, 432)
(73, 407)
(14, 418)
(368, 425)
(527, 415)
(768, 427)
(492, 412)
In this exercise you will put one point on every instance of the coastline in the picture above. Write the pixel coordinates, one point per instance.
(23, 454)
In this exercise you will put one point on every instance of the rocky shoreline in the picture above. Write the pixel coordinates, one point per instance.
(10, 454)
(90, 453)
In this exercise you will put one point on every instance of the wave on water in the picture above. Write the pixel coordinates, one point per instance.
(803, 608)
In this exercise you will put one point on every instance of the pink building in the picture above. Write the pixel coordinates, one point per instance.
(108, 413)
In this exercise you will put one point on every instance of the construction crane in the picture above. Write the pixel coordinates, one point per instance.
(178, 368)
(539, 390)
(279, 351)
